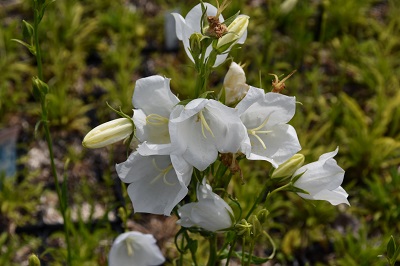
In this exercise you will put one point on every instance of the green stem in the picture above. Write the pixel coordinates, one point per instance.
(277, 190)
(212, 260)
(251, 249)
(230, 251)
(44, 118)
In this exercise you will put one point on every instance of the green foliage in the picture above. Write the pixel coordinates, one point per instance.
(18, 201)
(347, 58)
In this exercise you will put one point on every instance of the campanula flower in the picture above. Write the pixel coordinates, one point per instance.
(211, 212)
(135, 249)
(322, 180)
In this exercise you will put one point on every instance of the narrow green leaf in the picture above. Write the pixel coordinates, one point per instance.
(30, 47)
(391, 248)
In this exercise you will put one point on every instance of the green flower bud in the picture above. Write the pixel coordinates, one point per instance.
(262, 215)
(40, 88)
(195, 44)
(108, 133)
(288, 168)
(34, 260)
(256, 228)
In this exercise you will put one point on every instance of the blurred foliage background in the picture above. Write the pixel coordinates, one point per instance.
(347, 56)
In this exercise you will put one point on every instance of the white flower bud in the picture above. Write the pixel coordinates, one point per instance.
(234, 32)
(108, 133)
(235, 84)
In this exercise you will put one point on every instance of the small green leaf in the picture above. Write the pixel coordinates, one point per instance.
(391, 248)
(229, 20)
(28, 31)
(30, 47)
(184, 102)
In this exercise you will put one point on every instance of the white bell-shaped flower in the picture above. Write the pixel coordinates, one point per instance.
(153, 102)
(155, 186)
(135, 249)
(211, 212)
(191, 24)
(203, 128)
(322, 180)
(265, 116)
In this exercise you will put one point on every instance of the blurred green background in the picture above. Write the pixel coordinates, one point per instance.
(347, 56)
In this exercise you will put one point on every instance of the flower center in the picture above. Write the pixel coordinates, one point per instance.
(255, 131)
(156, 120)
(163, 173)
(204, 125)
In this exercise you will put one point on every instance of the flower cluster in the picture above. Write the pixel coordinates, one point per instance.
(179, 139)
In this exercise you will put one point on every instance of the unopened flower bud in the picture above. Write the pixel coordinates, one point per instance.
(108, 133)
(243, 228)
(40, 88)
(235, 84)
(262, 215)
(235, 31)
(33, 260)
(289, 167)
(195, 44)
(256, 228)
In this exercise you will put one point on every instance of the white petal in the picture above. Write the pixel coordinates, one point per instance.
(228, 129)
(335, 197)
(153, 95)
(281, 144)
(179, 25)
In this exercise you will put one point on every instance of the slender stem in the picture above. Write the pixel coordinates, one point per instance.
(277, 190)
(44, 118)
(230, 251)
(37, 46)
(251, 249)
(212, 260)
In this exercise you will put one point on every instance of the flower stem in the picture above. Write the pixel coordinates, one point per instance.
(44, 120)
(212, 260)
(230, 251)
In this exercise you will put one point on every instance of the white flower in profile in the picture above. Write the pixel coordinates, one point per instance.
(153, 102)
(211, 212)
(135, 249)
(265, 115)
(191, 24)
(155, 186)
(322, 180)
(235, 84)
(202, 128)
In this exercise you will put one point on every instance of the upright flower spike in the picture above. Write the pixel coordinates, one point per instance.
(108, 133)
(235, 84)
(192, 24)
(322, 180)
(203, 128)
(155, 186)
(211, 212)
(135, 249)
(265, 115)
